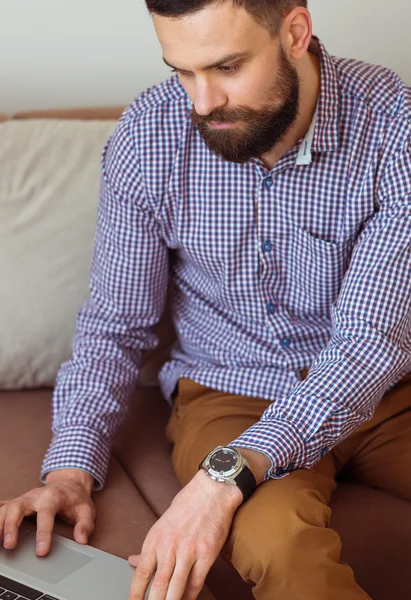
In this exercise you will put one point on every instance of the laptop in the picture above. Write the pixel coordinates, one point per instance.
(69, 572)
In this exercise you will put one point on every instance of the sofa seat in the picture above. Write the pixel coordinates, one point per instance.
(375, 527)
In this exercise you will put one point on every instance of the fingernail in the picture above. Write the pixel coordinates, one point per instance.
(41, 546)
(8, 538)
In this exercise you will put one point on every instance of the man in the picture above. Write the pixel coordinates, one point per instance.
(271, 184)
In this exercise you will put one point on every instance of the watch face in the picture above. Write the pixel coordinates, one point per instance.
(223, 461)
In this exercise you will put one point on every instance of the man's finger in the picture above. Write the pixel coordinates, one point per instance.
(82, 531)
(85, 520)
(3, 510)
(161, 580)
(134, 559)
(142, 576)
(13, 518)
(179, 579)
(196, 579)
(45, 526)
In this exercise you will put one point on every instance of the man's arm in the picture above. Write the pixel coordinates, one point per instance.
(129, 278)
(370, 346)
(128, 286)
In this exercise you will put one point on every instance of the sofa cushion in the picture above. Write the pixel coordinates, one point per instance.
(49, 183)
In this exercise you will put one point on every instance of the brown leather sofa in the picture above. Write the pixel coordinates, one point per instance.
(375, 528)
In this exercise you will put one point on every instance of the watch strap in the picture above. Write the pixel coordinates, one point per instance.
(245, 480)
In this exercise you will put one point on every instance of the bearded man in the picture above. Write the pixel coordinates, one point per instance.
(269, 184)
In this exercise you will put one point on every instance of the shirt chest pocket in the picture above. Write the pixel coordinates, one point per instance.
(316, 269)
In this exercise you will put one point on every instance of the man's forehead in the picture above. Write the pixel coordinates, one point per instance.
(214, 29)
(209, 38)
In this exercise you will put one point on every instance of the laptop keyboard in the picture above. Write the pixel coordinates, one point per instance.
(12, 590)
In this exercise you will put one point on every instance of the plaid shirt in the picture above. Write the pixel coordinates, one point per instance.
(271, 271)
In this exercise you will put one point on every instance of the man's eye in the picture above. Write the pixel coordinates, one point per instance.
(228, 69)
(223, 69)
(182, 73)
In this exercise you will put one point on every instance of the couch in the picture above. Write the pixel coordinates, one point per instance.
(375, 528)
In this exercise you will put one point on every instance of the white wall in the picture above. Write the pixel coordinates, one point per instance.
(376, 31)
(62, 53)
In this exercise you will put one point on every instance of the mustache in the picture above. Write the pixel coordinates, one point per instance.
(224, 116)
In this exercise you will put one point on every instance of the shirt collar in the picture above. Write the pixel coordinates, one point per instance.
(326, 134)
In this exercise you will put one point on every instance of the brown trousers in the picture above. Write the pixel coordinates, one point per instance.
(280, 539)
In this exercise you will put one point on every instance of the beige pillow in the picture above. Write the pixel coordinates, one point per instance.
(49, 183)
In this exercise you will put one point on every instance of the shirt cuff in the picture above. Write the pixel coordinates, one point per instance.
(78, 447)
(279, 441)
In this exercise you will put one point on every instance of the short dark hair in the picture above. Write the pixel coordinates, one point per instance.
(268, 13)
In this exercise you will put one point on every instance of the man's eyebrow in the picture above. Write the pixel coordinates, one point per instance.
(220, 62)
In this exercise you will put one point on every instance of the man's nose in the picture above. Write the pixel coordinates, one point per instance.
(208, 98)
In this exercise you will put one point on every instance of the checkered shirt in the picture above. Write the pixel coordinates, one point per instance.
(305, 265)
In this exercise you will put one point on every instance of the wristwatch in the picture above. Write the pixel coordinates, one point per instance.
(229, 466)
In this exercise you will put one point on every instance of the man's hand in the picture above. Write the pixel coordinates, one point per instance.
(185, 542)
(67, 493)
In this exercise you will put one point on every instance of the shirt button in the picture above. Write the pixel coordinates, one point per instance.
(290, 468)
(279, 471)
(285, 343)
(271, 308)
(268, 182)
(267, 246)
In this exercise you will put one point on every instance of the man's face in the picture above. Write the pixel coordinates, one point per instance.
(244, 106)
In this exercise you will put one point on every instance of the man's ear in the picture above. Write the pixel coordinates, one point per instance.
(296, 32)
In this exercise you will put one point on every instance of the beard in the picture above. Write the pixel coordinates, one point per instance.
(263, 128)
